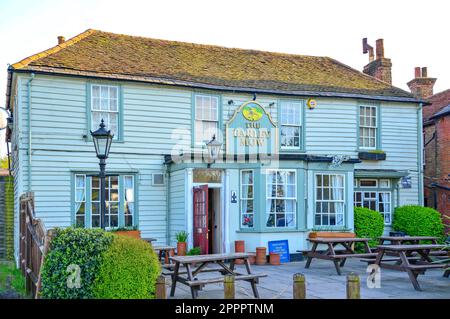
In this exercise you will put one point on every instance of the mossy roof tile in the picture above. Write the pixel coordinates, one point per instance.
(123, 56)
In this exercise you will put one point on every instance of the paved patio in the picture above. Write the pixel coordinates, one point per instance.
(324, 283)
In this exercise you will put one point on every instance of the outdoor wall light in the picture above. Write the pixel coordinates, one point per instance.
(213, 149)
(230, 102)
(102, 142)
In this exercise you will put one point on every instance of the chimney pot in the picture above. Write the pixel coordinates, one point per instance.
(61, 39)
(379, 49)
(417, 73)
(424, 72)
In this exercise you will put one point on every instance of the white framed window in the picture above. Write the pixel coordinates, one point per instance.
(247, 199)
(329, 199)
(206, 118)
(128, 185)
(291, 124)
(80, 200)
(105, 105)
(379, 201)
(384, 206)
(385, 183)
(368, 183)
(281, 198)
(367, 127)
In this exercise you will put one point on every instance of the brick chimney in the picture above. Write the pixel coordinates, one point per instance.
(421, 86)
(381, 67)
(61, 39)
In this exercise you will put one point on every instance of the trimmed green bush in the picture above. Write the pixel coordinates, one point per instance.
(129, 270)
(73, 246)
(418, 221)
(9, 217)
(368, 224)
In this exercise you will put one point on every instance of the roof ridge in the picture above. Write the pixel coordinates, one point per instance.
(439, 93)
(213, 45)
(52, 50)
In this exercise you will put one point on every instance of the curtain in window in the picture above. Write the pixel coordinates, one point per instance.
(337, 193)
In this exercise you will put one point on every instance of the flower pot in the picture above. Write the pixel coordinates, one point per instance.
(181, 249)
(130, 233)
(331, 234)
(252, 258)
(274, 259)
(261, 258)
(239, 247)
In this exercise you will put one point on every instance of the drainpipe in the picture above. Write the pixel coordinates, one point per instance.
(29, 130)
(167, 205)
(420, 153)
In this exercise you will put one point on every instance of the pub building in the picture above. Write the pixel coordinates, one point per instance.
(227, 144)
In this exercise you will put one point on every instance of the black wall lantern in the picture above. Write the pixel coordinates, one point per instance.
(102, 142)
(213, 149)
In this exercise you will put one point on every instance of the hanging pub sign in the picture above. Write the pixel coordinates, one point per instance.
(251, 130)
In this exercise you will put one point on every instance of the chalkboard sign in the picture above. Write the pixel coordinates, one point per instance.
(281, 247)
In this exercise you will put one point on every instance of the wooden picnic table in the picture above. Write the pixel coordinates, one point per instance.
(419, 255)
(165, 251)
(337, 256)
(412, 240)
(201, 262)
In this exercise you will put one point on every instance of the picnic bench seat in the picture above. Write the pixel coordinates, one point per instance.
(425, 267)
(363, 255)
(372, 260)
(202, 282)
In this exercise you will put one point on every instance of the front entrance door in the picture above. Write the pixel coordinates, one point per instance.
(201, 218)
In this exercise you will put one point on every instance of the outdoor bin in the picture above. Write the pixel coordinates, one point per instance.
(239, 247)
(261, 257)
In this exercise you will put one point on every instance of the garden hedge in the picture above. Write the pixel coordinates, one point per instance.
(73, 246)
(418, 221)
(111, 266)
(9, 217)
(368, 224)
(129, 270)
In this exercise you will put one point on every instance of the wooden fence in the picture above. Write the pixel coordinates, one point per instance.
(34, 243)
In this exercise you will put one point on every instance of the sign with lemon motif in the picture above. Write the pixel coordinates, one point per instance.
(251, 130)
(252, 111)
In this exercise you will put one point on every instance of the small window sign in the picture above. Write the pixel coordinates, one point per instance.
(233, 197)
(406, 182)
(158, 179)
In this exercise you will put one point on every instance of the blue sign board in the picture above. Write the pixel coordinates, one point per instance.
(406, 182)
(281, 247)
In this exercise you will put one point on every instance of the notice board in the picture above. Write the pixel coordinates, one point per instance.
(281, 247)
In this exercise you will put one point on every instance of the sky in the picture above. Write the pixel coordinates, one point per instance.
(415, 32)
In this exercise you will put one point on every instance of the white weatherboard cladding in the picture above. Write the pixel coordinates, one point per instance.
(177, 204)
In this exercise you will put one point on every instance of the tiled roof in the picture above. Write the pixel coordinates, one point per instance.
(436, 103)
(444, 111)
(109, 55)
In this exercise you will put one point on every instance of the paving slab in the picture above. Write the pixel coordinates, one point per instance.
(322, 282)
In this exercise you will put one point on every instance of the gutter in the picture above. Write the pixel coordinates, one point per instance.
(420, 152)
(167, 204)
(29, 130)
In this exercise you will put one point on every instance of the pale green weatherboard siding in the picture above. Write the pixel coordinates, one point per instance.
(156, 118)
(177, 204)
(151, 114)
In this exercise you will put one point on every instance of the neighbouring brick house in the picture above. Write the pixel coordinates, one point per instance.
(436, 130)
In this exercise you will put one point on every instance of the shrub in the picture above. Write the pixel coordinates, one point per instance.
(368, 224)
(418, 221)
(194, 251)
(77, 246)
(129, 270)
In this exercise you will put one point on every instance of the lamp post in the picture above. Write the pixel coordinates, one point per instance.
(102, 142)
(213, 149)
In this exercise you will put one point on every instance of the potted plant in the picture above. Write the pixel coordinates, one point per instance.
(181, 237)
(331, 232)
(127, 231)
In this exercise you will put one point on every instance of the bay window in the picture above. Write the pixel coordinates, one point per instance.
(206, 118)
(247, 199)
(329, 200)
(281, 198)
